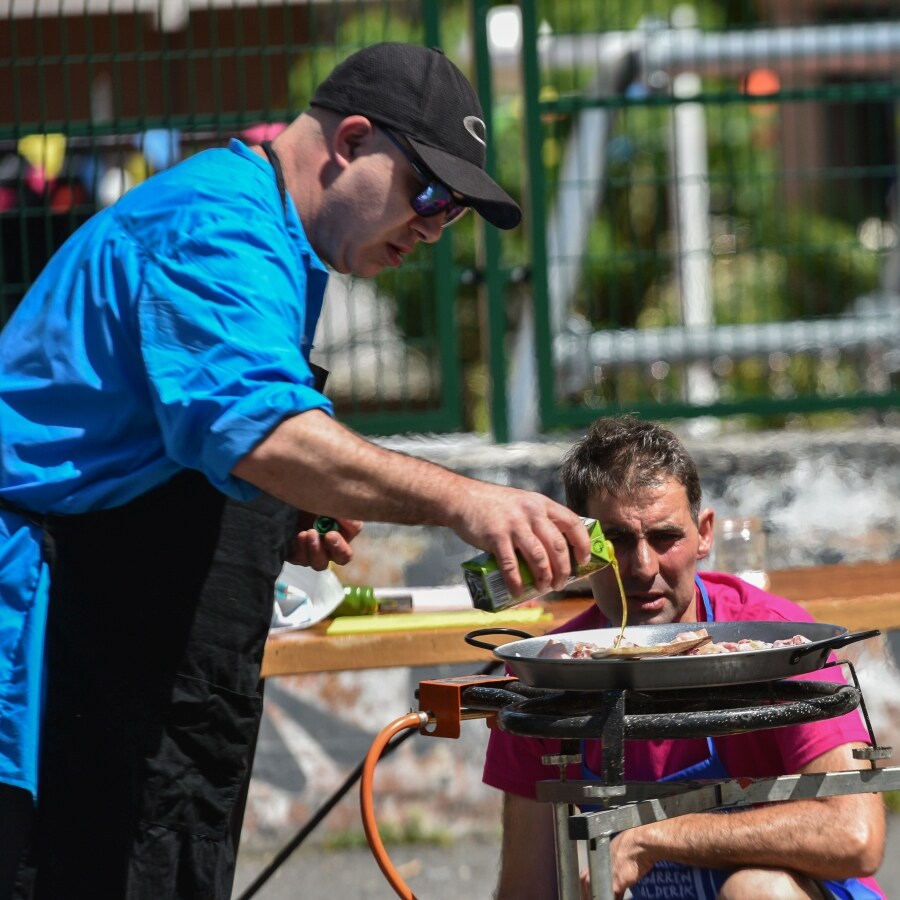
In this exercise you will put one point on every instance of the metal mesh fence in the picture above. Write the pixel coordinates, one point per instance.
(710, 193)
(720, 204)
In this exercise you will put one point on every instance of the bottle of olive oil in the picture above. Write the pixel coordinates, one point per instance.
(488, 589)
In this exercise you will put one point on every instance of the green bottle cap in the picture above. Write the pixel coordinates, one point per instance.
(324, 524)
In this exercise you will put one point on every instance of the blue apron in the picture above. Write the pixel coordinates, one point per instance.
(673, 880)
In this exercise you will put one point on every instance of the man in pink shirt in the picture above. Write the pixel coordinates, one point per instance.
(639, 481)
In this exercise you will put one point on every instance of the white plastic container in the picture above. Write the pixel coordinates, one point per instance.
(304, 596)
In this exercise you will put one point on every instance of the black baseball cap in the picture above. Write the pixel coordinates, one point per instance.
(419, 93)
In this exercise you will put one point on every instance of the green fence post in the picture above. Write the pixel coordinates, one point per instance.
(537, 211)
(445, 280)
(494, 281)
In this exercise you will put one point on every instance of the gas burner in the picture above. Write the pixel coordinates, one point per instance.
(615, 716)
(691, 713)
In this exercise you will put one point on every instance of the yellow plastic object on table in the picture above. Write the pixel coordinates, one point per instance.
(418, 621)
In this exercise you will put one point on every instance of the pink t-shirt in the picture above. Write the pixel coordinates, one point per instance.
(514, 764)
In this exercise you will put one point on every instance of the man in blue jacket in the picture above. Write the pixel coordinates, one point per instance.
(162, 433)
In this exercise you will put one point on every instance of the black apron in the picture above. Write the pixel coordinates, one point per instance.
(158, 617)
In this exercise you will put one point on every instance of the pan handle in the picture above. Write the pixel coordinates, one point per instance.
(834, 643)
(470, 638)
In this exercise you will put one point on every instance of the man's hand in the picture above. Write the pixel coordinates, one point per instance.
(504, 520)
(630, 864)
(317, 550)
(630, 861)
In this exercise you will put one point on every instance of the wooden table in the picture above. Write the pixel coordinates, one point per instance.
(858, 596)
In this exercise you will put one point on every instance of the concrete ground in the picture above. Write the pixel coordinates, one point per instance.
(465, 869)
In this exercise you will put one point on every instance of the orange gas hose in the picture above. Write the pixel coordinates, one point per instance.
(410, 720)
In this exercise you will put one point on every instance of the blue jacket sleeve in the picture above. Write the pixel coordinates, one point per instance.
(223, 327)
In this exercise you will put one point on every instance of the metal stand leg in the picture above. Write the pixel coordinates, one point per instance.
(600, 868)
(566, 854)
(566, 848)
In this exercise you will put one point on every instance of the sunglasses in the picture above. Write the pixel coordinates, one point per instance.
(436, 198)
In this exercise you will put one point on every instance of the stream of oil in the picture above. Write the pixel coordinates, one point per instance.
(615, 566)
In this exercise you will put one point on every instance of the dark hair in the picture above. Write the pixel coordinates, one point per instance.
(623, 454)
